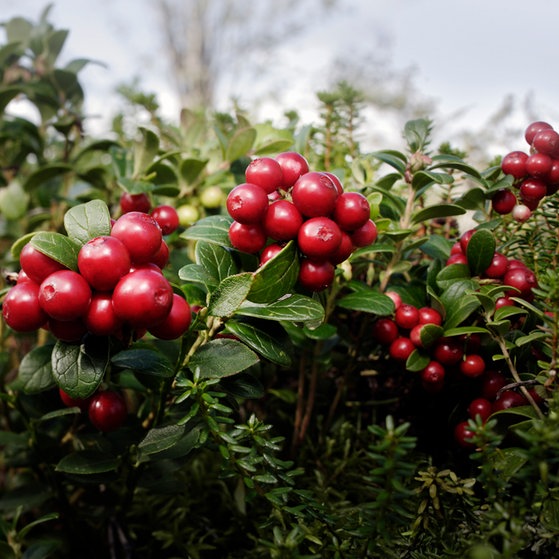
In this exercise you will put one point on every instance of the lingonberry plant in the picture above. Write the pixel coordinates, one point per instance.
(228, 339)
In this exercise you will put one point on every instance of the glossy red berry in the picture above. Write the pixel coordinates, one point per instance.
(344, 251)
(492, 383)
(480, 407)
(135, 202)
(269, 252)
(67, 400)
(36, 265)
(406, 316)
(319, 238)
(546, 141)
(247, 203)
(448, 351)
(365, 235)
(282, 220)
(176, 323)
(523, 280)
(463, 435)
(245, 237)
(385, 330)
(265, 172)
(508, 399)
(352, 210)
(532, 190)
(503, 201)
(65, 295)
(21, 308)
(432, 376)
(293, 165)
(316, 275)
(314, 194)
(102, 261)
(100, 318)
(401, 348)
(429, 315)
(107, 410)
(533, 128)
(498, 267)
(142, 298)
(140, 233)
(514, 163)
(473, 365)
(167, 218)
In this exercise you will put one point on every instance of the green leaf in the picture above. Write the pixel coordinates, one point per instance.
(465, 331)
(79, 369)
(217, 260)
(429, 334)
(277, 277)
(367, 300)
(260, 341)
(440, 210)
(87, 462)
(393, 158)
(530, 338)
(212, 229)
(87, 221)
(416, 133)
(57, 246)
(145, 151)
(196, 273)
(161, 438)
(417, 361)
(270, 140)
(452, 274)
(190, 169)
(240, 143)
(144, 360)
(44, 174)
(480, 250)
(35, 370)
(294, 308)
(459, 310)
(222, 357)
(230, 294)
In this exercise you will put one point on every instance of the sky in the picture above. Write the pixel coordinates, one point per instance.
(466, 55)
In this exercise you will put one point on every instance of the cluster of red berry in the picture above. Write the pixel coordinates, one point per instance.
(506, 271)
(536, 174)
(283, 201)
(118, 288)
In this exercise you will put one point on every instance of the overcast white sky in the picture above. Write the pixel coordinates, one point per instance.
(466, 53)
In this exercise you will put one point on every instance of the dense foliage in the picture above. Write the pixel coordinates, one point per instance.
(404, 408)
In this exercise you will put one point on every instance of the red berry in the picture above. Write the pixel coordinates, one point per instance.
(546, 141)
(401, 348)
(134, 203)
(161, 257)
(65, 295)
(472, 365)
(491, 383)
(319, 237)
(480, 407)
(82, 403)
(100, 318)
(167, 218)
(504, 302)
(532, 190)
(265, 172)
(282, 221)
(396, 298)
(316, 275)
(352, 211)
(456, 259)
(245, 237)
(385, 330)
(498, 266)
(463, 434)
(523, 280)
(107, 410)
(448, 351)
(247, 203)
(293, 165)
(508, 399)
(314, 194)
(344, 251)
(365, 235)
(538, 165)
(337, 182)
(36, 265)
(140, 233)
(415, 335)
(503, 201)
(176, 323)
(407, 316)
(142, 298)
(102, 261)
(432, 377)
(21, 309)
(429, 315)
(533, 129)
(69, 331)
(465, 239)
(514, 163)
(269, 252)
